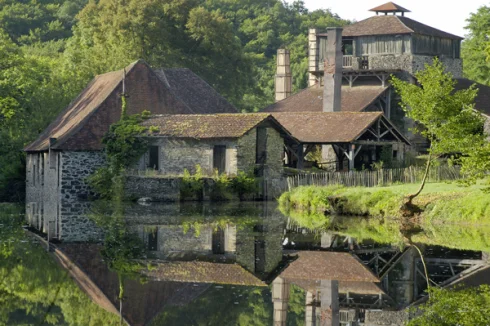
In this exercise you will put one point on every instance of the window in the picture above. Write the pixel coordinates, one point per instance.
(153, 162)
(153, 240)
(218, 242)
(261, 146)
(219, 158)
(347, 47)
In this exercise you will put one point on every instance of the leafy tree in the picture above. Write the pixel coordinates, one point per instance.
(475, 51)
(32, 91)
(449, 120)
(468, 306)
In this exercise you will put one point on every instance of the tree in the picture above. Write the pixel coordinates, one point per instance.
(449, 120)
(475, 50)
(464, 307)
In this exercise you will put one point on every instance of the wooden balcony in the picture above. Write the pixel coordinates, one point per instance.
(347, 61)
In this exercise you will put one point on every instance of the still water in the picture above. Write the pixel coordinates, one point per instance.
(222, 264)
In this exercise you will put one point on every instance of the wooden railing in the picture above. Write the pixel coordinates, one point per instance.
(347, 61)
(373, 178)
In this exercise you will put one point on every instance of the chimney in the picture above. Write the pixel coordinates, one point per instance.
(312, 56)
(284, 82)
(332, 78)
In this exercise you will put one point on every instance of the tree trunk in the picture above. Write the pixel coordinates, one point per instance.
(424, 179)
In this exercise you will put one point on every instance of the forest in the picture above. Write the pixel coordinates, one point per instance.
(50, 49)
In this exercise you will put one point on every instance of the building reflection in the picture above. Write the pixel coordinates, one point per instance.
(194, 246)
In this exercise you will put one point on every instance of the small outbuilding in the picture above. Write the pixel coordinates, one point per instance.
(228, 143)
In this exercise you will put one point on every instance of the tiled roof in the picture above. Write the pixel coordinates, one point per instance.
(354, 99)
(344, 287)
(390, 24)
(322, 265)
(482, 100)
(83, 123)
(205, 126)
(320, 127)
(202, 272)
(389, 7)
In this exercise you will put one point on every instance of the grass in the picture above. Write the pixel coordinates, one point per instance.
(445, 202)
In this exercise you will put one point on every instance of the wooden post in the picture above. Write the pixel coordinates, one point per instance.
(351, 156)
(300, 157)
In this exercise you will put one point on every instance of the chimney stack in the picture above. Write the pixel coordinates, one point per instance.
(332, 77)
(284, 82)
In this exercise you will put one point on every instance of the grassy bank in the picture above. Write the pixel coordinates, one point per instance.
(438, 202)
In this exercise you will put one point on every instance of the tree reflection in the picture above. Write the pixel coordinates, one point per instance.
(34, 289)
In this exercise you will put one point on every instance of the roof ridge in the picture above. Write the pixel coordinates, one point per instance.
(401, 22)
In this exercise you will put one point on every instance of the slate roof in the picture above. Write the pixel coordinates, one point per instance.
(198, 95)
(482, 100)
(389, 25)
(202, 272)
(205, 126)
(390, 7)
(354, 99)
(83, 123)
(326, 265)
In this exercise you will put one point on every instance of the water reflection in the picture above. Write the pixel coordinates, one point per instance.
(231, 264)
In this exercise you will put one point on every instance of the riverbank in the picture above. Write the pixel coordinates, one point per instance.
(446, 202)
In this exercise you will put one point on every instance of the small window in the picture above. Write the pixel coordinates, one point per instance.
(219, 158)
(395, 154)
(218, 242)
(153, 162)
(153, 240)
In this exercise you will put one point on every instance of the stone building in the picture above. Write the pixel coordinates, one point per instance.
(227, 143)
(70, 149)
(361, 57)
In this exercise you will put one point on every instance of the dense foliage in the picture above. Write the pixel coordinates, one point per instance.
(475, 48)
(50, 49)
(123, 148)
(450, 122)
(468, 306)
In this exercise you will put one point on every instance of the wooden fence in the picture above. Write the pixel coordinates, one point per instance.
(367, 178)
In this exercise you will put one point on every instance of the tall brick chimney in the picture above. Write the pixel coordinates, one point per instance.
(284, 81)
(332, 77)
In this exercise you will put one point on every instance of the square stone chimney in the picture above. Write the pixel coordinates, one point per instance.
(332, 77)
(284, 80)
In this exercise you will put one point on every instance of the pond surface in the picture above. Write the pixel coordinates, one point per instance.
(222, 264)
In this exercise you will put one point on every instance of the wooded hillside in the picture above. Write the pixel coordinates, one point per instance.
(49, 50)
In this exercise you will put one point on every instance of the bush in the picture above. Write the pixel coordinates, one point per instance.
(221, 187)
(192, 184)
(244, 184)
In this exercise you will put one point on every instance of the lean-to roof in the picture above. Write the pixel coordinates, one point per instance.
(332, 127)
(354, 99)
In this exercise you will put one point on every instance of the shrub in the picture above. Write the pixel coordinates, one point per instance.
(192, 184)
(221, 187)
(244, 184)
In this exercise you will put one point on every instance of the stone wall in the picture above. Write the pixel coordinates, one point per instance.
(76, 167)
(454, 66)
(386, 318)
(175, 155)
(156, 188)
(409, 63)
(246, 151)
